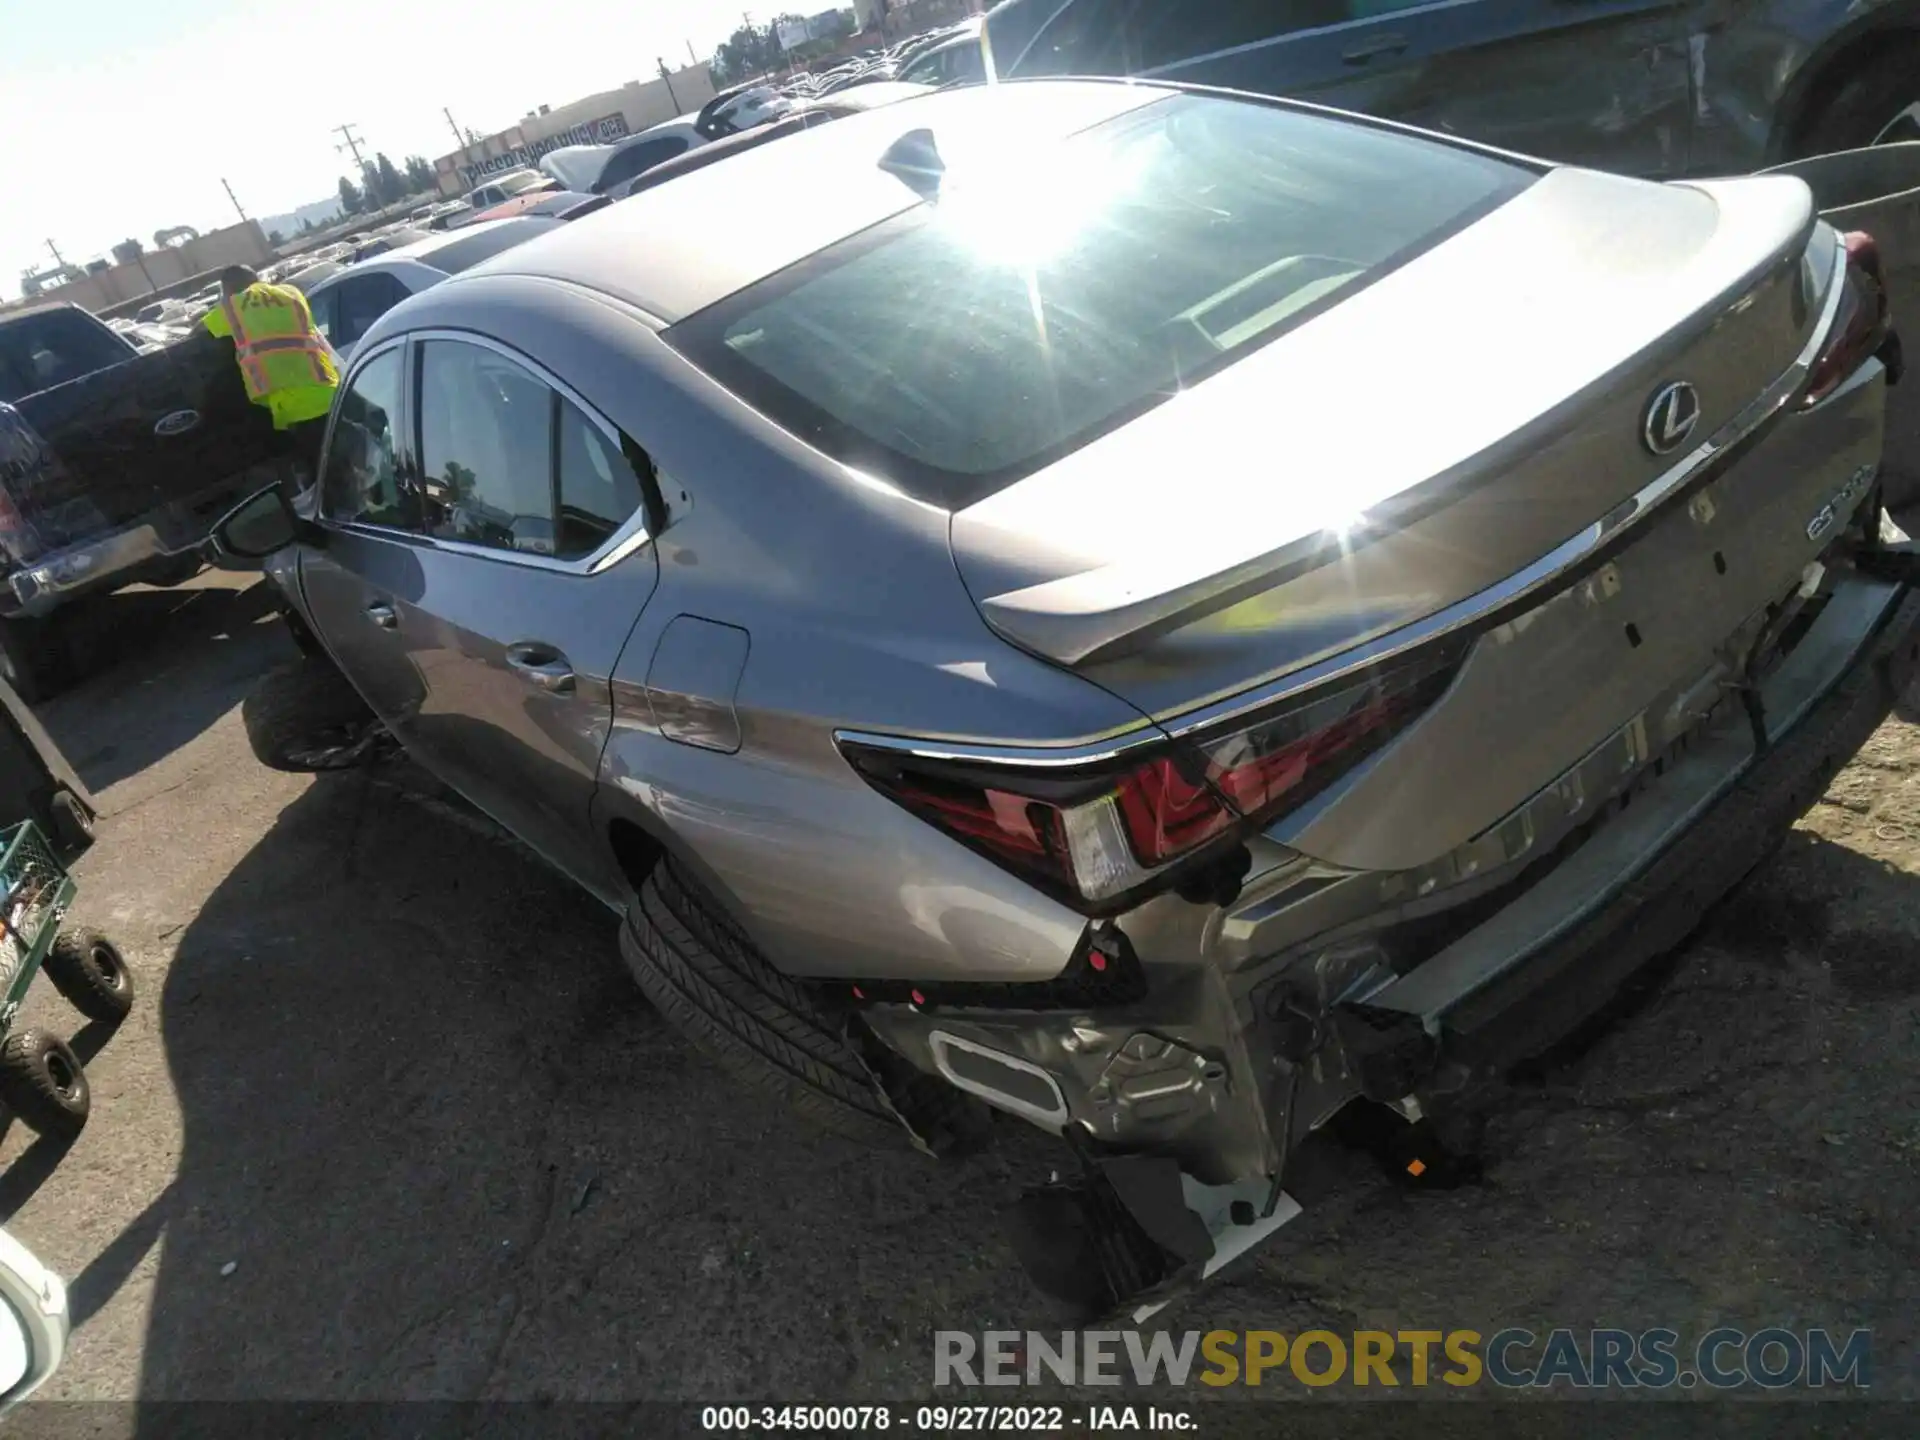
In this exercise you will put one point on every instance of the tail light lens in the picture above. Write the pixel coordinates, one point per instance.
(1103, 837)
(1862, 324)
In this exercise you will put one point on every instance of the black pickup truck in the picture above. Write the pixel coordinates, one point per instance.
(113, 465)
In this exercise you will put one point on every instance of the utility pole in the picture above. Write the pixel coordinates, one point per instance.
(58, 258)
(351, 146)
(692, 59)
(459, 139)
(236, 201)
(666, 78)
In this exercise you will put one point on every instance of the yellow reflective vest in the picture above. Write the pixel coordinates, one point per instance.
(287, 364)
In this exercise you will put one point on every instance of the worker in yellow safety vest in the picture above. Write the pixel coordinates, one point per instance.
(286, 363)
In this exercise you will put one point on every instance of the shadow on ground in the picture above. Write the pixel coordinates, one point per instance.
(435, 1146)
(160, 666)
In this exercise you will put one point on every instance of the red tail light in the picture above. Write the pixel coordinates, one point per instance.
(1862, 324)
(1103, 837)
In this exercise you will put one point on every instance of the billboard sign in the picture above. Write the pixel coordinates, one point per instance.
(605, 130)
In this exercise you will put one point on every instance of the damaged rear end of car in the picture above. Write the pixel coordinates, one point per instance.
(1460, 716)
(1492, 553)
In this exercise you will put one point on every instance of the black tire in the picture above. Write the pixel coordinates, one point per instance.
(34, 658)
(1852, 109)
(305, 717)
(71, 824)
(700, 971)
(89, 970)
(42, 1082)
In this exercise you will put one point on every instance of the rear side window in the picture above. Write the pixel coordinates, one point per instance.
(40, 351)
(358, 302)
(598, 489)
(1053, 295)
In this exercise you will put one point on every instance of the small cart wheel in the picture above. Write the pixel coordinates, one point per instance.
(88, 969)
(41, 1082)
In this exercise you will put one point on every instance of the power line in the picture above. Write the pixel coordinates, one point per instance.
(351, 146)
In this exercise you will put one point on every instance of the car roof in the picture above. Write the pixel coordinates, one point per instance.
(868, 97)
(441, 241)
(678, 248)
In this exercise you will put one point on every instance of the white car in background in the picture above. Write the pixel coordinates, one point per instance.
(597, 169)
(347, 302)
(504, 187)
(34, 1322)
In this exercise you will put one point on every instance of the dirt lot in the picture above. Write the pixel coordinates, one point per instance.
(390, 1121)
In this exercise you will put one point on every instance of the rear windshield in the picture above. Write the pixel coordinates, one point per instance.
(1035, 305)
(499, 236)
(40, 351)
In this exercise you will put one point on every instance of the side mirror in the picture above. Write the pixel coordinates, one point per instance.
(33, 1322)
(261, 524)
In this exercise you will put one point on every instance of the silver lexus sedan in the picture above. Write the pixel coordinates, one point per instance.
(1175, 617)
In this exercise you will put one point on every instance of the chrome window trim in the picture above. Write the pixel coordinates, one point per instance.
(1534, 579)
(632, 533)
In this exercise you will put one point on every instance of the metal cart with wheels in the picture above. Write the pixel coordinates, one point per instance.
(41, 1079)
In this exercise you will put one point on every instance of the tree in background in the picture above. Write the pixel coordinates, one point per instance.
(392, 187)
(420, 176)
(128, 251)
(274, 237)
(351, 200)
(751, 50)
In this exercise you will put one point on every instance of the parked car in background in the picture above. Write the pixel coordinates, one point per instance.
(805, 115)
(1692, 88)
(1173, 616)
(504, 187)
(956, 61)
(113, 464)
(597, 169)
(536, 202)
(346, 303)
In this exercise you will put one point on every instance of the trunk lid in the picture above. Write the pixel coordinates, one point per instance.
(1480, 407)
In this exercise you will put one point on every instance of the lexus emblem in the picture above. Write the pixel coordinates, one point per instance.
(1671, 416)
(178, 423)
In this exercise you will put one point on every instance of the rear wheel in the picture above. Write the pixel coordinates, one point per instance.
(305, 717)
(701, 971)
(1877, 102)
(42, 1082)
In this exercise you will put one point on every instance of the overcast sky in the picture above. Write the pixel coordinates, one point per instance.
(124, 115)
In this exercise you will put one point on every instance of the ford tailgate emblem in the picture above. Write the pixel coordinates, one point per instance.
(178, 423)
(1671, 416)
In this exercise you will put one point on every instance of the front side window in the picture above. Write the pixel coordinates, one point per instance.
(361, 479)
(486, 449)
(1053, 294)
(598, 490)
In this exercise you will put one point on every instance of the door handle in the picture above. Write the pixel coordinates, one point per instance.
(1385, 45)
(542, 667)
(382, 614)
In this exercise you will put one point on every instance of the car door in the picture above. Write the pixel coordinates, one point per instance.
(535, 565)
(1590, 82)
(368, 561)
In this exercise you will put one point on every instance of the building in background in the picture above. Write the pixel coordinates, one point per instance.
(160, 269)
(595, 120)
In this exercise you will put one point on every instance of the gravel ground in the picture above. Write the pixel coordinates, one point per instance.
(390, 1121)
